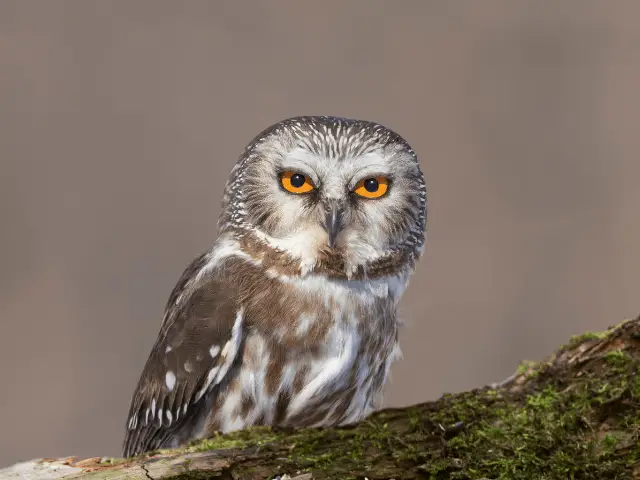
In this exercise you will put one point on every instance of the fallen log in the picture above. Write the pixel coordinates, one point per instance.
(574, 415)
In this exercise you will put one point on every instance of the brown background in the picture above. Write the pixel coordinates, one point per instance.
(120, 120)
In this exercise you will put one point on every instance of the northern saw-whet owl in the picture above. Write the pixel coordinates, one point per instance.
(289, 319)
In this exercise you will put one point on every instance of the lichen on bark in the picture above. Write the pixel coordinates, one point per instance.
(574, 415)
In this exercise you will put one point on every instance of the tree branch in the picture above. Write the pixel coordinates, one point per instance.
(575, 415)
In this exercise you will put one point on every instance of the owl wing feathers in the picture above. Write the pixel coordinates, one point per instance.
(199, 340)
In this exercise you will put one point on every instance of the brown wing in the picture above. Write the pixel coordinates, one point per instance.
(199, 340)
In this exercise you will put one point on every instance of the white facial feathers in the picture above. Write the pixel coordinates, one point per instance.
(334, 154)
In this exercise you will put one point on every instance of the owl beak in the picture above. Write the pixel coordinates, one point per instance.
(333, 221)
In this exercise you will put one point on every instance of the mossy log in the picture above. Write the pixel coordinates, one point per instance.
(574, 416)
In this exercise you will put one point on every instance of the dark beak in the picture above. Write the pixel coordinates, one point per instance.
(333, 221)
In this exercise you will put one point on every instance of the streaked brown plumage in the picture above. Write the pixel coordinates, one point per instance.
(290, 318)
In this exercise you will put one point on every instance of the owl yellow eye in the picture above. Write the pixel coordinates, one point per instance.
(296, 182)
(373, 187)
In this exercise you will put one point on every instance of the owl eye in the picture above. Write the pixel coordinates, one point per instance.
(295, 182)
(373, 187)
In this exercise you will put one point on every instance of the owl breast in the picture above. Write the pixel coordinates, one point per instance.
(318, 355)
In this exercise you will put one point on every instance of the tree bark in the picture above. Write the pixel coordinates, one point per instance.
(575, 415)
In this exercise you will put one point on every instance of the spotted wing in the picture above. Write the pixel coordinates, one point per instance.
(198, 343)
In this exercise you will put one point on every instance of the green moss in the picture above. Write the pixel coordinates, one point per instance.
(251, 437)
(530, 369)
(546, 437)
(526, 366)
(618, 358)
(591, 336)
(586, 337)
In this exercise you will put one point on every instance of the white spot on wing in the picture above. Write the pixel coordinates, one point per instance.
(217, 373)
(210, 376)
(226, 349)
(231, 348)
(214, 351)
(159, 417)
(169, 417)
(168, 349)
(170, 380)
(153, 408)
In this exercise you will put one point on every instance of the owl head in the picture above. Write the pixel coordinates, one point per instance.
(329, 191)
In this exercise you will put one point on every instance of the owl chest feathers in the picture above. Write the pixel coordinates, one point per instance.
(316, 351)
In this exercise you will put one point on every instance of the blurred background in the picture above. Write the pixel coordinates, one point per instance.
(120, 121)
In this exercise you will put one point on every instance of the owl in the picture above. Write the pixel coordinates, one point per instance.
(290, 318)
